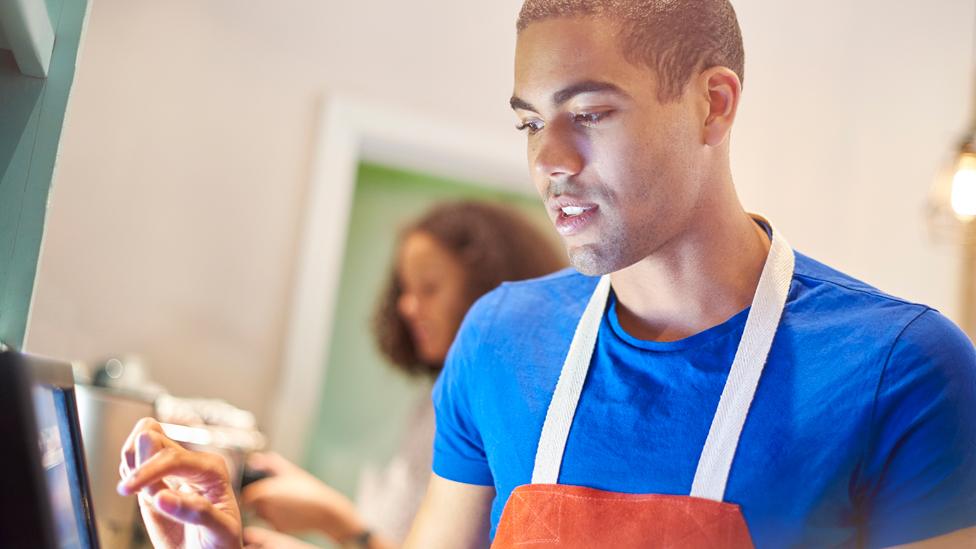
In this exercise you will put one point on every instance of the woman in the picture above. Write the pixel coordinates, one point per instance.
(445, 261)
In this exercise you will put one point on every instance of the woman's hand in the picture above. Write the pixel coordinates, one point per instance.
(292, 500)
(185, 497)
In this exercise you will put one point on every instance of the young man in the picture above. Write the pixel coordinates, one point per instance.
(696, 383)
(568, 408)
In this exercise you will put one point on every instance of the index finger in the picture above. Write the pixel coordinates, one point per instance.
(165, 463)
(128, 451)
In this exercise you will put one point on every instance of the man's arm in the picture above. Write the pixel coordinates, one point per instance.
(919, 469)
(453, 515)
(960, 538)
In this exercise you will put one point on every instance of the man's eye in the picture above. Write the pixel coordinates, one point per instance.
(589, 118)
(531, 126)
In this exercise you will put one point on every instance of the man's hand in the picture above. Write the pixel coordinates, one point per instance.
(292, 500)
(960, 538)
(260, 538)
(185, 497)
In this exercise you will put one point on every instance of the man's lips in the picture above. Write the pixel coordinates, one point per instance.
(572, 216)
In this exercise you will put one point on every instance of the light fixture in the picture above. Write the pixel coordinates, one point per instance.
(952, 217)
(952, 220)
(952, 201)
(962, 198)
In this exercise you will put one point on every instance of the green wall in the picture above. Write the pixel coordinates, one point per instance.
(32, 112)
(363, 400)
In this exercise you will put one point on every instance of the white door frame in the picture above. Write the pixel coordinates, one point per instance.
(351, 131)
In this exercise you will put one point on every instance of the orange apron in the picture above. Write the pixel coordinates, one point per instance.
(546, 514)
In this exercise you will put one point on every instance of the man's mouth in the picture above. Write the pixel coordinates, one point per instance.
(573, 218)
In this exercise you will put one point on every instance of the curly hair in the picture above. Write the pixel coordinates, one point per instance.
(674, 38)
(492, 243)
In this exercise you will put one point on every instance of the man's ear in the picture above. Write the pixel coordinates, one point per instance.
(722, 92)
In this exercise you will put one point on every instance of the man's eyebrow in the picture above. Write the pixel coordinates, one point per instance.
(586, 86)
(569, 92)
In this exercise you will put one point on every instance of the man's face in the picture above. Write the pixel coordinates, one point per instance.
(618, 171)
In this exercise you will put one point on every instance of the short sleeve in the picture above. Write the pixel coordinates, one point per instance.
(921, 462)
(459, 453)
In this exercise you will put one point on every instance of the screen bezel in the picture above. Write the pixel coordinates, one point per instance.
(19, 373)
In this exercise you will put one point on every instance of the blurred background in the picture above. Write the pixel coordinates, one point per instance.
(194, 180)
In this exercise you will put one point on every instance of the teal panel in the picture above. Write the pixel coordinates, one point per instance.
(364, 400)
(32, 114)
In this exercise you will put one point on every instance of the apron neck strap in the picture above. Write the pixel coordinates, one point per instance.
(715, 463)
(562, 407)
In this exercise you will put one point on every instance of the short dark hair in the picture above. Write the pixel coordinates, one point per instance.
(493, 243)
(675, 38)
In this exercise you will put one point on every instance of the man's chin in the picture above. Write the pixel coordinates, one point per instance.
(588, 261)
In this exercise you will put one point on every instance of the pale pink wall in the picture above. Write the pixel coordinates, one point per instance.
(173, 226)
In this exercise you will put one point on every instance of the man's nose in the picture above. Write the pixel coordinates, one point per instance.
(557, 153)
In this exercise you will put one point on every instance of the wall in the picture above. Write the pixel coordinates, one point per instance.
(32, 113)
(174, 229)
(851, 109)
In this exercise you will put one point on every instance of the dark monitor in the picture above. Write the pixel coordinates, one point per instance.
(45, 499)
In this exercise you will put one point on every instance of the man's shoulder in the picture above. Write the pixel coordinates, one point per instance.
(543, 307)
(545, 295)
(520, 322)
(843, 294)
(840, 304)
(566, 282)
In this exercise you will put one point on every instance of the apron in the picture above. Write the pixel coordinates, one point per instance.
(547, 514)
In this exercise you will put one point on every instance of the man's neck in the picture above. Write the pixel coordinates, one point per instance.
(698, 280)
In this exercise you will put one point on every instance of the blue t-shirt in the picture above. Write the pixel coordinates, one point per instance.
(862, 432)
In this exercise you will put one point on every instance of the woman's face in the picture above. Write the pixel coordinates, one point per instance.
(432, 302)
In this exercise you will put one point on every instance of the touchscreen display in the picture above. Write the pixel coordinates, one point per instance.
(60, 469)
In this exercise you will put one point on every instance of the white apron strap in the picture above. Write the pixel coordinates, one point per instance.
(562, 407)
(750, 358)
(723, 436)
